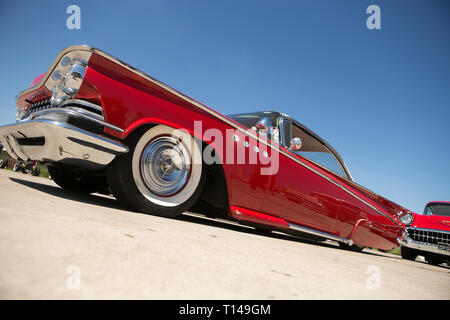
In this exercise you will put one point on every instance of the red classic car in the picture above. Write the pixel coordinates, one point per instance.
(429, 235)
(96, 121)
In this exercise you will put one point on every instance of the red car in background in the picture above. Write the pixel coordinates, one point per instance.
(98, 122)
(429, 235)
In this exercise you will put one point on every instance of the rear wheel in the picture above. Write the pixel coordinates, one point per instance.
(76, 180)
(162, 174)
(408, 253)
(3, 163)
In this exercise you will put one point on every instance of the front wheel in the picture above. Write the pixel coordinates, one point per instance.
(162, 174)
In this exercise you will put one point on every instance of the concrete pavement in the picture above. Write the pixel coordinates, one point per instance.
(59, 245)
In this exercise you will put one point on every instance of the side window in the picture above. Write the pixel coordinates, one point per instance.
(316, 151)
(427, 211)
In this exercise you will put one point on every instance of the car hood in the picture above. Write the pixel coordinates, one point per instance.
(431, 222)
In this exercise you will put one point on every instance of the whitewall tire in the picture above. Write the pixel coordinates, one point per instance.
(162, 174)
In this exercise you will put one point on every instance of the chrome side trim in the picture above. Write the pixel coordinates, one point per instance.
(320, 234)
(89, 114)
(410, 243)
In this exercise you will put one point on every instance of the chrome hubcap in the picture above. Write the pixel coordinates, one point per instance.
(165, 166)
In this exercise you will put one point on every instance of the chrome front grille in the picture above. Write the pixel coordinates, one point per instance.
(37, 106)
(85, 107)
(429, 236)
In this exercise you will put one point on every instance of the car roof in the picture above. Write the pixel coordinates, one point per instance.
(434, 202)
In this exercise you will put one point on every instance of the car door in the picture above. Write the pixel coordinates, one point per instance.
(251, 159)
(302, 194)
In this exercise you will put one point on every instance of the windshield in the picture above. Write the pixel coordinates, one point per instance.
(440, 209)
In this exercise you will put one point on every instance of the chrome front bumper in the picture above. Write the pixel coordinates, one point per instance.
(55, 140)
(422, 246)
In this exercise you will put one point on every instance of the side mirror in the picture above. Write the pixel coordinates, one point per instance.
(296, 144)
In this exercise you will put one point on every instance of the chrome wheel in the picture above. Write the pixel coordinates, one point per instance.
(165, 166)
(162, 174)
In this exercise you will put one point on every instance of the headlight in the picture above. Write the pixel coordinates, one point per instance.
(68, 79)
(407, 219)
(62, 81)
(67, 76)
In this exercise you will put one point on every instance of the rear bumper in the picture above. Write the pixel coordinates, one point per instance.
(55, 140)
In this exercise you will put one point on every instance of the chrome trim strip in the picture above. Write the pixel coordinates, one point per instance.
(86, 112)
(83, 103)
(320, 233)
(410, 243)
(75, 113)
(202, 107)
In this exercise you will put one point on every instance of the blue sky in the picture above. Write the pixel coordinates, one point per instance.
(380, 97)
